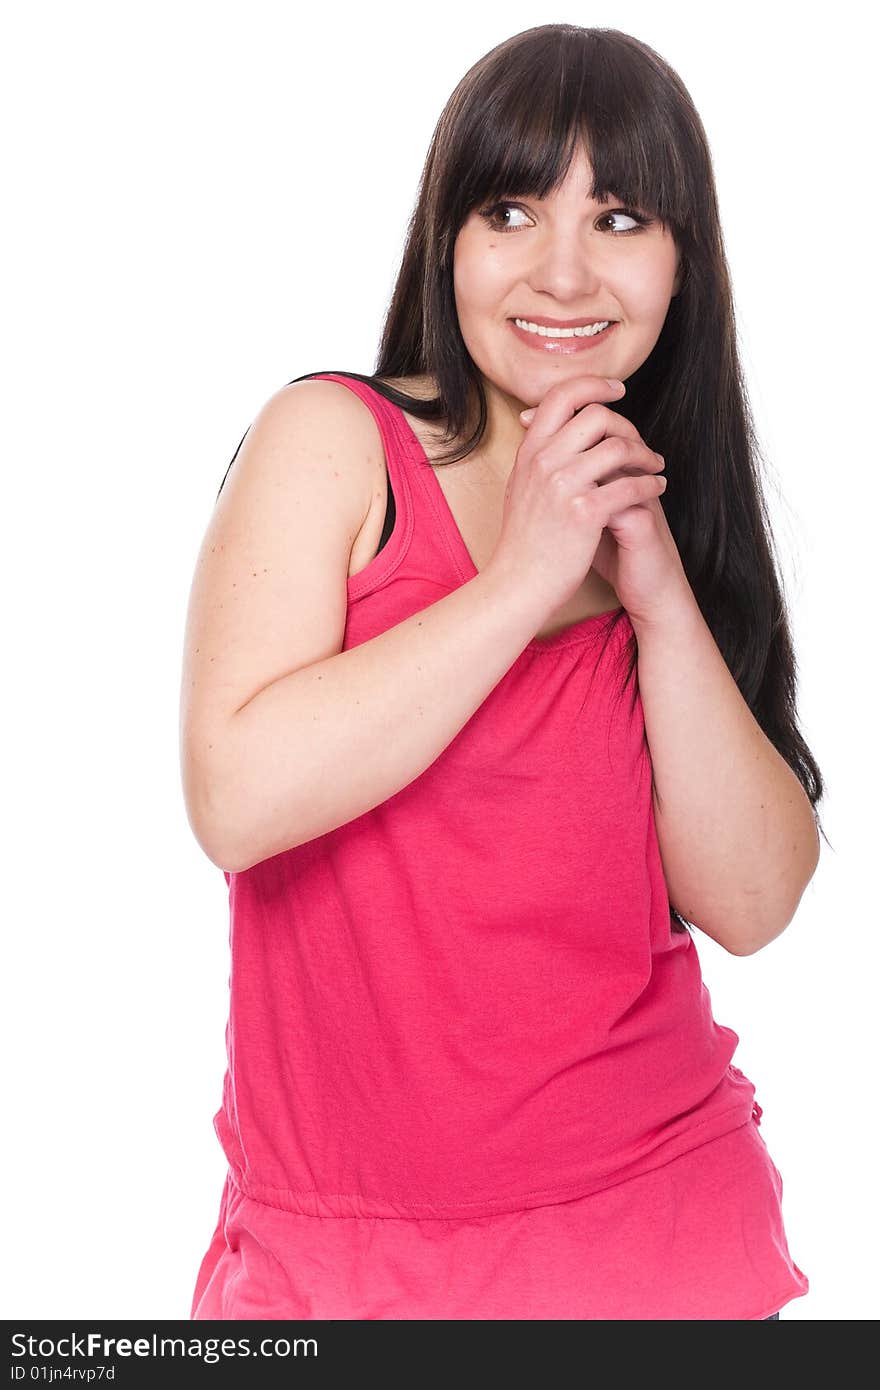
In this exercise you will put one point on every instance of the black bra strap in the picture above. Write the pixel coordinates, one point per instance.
(390, 512)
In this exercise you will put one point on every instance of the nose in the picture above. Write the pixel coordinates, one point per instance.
(565, 268)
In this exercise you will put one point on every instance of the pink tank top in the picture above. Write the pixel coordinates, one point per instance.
(464, 1015)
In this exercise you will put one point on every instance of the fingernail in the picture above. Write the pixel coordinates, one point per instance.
(612, 381)
(527, 414)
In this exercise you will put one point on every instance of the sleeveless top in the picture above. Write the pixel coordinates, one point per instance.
(471, 1070)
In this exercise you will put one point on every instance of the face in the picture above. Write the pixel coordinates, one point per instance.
(562, 258)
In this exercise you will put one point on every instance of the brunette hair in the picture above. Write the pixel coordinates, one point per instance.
(511, 127)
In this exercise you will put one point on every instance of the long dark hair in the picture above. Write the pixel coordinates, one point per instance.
(511, 127)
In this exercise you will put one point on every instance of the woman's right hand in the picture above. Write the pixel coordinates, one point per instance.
(578, 464)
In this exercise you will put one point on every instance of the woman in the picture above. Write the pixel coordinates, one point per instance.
(472, 1067)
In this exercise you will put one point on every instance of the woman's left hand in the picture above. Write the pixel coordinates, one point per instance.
(638, 557)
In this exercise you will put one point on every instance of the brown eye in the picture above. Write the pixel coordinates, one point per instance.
(637, 217)
(492, 216)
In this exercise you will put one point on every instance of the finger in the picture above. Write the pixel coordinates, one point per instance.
(624, 493)
(564, 398)
(595, 422)
(616, 454)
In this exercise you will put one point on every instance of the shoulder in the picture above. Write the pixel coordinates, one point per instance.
(339, 409)
(329, 421)
(326, 408)
(310, 439)
(332, 415)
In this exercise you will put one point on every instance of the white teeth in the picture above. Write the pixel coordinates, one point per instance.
(589, 331)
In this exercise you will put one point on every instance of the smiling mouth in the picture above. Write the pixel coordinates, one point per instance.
(563, 341)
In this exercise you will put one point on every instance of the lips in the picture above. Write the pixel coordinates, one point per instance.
(562, 347)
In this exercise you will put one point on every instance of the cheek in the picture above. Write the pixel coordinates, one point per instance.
(475, 295)
(478, 276)
(648, 288)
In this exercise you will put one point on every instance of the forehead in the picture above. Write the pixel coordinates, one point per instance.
(578, 183)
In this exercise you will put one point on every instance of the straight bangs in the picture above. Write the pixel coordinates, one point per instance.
(549, 99)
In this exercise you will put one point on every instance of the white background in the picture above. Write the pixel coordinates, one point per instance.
(203, 202)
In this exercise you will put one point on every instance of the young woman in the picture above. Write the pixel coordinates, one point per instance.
(482, 712)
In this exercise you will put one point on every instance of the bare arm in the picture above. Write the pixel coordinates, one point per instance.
(327, 743)
(736, 830)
